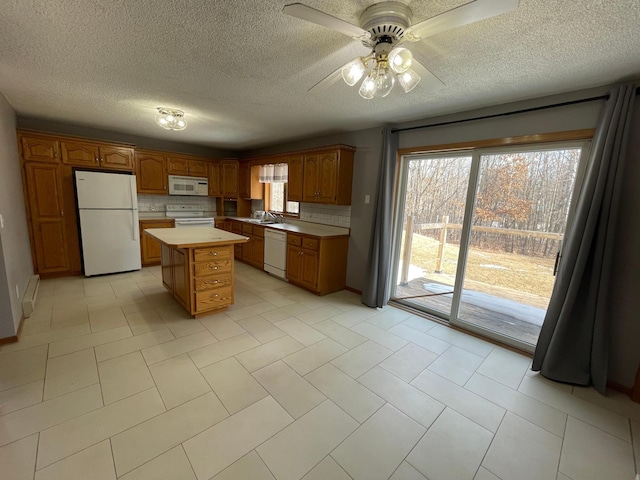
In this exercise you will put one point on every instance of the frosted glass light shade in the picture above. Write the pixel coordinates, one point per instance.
(400, 60)
(384, 83)
(368, 87)
(171, 119)
(408, 80)
(353, 71)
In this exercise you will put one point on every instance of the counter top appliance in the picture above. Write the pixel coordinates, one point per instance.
(108, 212)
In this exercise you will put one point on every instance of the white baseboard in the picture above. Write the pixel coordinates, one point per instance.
(29, 300)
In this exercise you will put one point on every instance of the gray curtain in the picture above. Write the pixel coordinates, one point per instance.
(573, 344)
(377, 287)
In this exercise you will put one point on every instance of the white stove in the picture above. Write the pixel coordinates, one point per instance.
(189, 216)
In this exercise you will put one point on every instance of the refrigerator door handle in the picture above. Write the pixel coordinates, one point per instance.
(134, 196)
(134, 230)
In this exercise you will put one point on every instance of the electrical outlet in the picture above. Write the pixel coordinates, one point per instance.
(17, 292)
(367, 199)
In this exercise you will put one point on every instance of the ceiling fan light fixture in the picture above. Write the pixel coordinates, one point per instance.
(170, 119)
(368, 87)
(400, 59)
(353, 71)
(408, 80)
(384, 82)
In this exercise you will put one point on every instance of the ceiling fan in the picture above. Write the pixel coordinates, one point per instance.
(384, 28)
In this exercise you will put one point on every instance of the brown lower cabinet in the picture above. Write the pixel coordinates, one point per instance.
(318, 264)
(253, 250)
(150, 247)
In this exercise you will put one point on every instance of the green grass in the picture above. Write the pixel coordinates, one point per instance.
(507, 274)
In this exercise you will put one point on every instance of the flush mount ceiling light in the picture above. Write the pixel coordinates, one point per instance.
(170, 119)
(383, 28)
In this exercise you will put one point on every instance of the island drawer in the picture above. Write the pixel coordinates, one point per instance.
(211, 253)
(211, 282)
(216, 298)
(215, 266)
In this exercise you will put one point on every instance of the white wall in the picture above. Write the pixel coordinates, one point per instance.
(16, 266)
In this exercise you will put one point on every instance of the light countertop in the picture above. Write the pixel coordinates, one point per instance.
(298, 226)
(192, 237)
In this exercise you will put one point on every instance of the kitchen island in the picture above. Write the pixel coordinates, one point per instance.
(197, 266)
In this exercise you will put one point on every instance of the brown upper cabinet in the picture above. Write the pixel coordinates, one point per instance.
(215, 179)
(327, 177)
(249, 186)
(187, 166)
(244, 180)
(229, 178)
(151, 172)
(36, 148)
(296, 172)
(89, 154)
(319, 175)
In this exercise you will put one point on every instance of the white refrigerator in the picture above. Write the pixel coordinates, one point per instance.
(108, 211)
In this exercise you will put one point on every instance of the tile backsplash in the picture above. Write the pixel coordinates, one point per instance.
(336, 215)
(158, 203)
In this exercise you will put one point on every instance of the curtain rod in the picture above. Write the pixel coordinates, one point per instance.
(506, 114)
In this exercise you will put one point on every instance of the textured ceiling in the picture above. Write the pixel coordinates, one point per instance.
(241, 69)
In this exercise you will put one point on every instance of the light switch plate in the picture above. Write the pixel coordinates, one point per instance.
(1, 221)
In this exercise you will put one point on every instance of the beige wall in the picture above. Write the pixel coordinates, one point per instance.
(16, 266)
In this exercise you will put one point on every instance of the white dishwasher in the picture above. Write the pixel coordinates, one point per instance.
(275, 252)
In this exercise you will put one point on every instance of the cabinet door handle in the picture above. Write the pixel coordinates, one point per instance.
(96, 160)
(216, 296)
(213, 254)
(101, 159)
(215, 282)
(62, 213)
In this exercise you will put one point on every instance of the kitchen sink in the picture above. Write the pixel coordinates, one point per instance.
(261, 221)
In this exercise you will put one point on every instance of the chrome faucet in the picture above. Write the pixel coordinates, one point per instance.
(271, 215)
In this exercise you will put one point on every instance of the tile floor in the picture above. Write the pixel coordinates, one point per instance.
(111, 379)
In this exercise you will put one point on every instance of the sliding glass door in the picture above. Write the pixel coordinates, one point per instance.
(432, 211)
(478, 235)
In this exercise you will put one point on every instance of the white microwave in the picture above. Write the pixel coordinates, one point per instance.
(188, 185)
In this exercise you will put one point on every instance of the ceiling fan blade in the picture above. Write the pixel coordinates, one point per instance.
(459, 16)
(312, 15)
(327, 81)
(427, 79)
